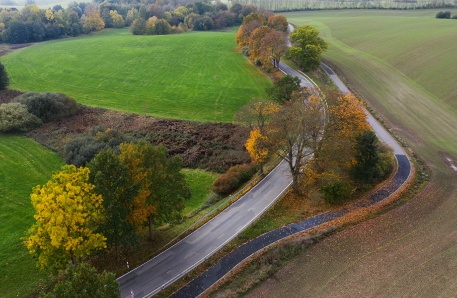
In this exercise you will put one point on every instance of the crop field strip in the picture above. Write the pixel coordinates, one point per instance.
(193, 76)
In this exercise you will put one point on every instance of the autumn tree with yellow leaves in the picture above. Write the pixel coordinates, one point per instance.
(66, 213)
(258, 147)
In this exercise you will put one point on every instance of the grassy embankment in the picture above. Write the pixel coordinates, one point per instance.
(23, 165)
(194, 76)
(404, 64)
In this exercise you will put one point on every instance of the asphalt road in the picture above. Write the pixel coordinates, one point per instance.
(170, 265)
(167, 267)
(203, 282)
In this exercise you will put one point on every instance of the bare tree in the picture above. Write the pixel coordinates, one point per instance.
(294, 132)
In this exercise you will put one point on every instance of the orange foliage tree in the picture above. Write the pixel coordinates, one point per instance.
(255, 40)
(163, 187)
(272, 47)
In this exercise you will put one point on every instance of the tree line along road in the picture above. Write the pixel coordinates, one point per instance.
(170, 265)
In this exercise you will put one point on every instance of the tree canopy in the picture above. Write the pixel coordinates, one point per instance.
(307, 47)
(66, 213)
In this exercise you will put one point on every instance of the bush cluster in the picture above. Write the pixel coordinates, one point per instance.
(443, 15)
(83, 149)
(49, 106)
(14, 117)
(234, 178)
(336, 192)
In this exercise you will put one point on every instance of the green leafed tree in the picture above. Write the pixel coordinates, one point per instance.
(282, 89)
(307, 47)
(85, 282)
(66, 213)
(163, 187)
(112, 182)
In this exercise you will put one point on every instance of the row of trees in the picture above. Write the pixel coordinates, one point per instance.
(105, 204)
(297, 5)
(263, 37)
(200, 16)
(331, 147)
(33, 24)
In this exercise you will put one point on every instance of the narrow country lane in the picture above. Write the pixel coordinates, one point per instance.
(170, 265)
(227, 263)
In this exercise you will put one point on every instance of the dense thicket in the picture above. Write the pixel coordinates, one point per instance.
(33, 24)
(49, 106)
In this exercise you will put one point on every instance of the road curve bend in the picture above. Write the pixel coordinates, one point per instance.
(394, 185)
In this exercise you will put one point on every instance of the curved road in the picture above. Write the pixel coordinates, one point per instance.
(161, 271)
(170, 265)
(227, 263)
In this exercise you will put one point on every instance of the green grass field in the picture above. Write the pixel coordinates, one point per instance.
(23, 165)
(193, 76)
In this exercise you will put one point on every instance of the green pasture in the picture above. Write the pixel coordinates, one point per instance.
(404, 63)
(23, 165)
(194, 76)
(201, 184)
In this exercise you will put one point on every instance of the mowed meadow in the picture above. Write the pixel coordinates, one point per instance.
(193, 76)
(404, 64)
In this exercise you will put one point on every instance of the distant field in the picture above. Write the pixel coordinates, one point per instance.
(413, 42)
(23, 165)
(194, 76)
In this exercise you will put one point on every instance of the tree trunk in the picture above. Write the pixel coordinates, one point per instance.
(151, 234)
(73, 259)
(295, 184)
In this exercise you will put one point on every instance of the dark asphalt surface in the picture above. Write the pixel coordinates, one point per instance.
(227, 263)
